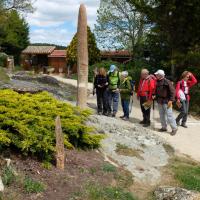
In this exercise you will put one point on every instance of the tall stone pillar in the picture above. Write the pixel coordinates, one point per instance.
(82, 58)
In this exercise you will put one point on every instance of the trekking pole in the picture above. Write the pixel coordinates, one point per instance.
(154, 123)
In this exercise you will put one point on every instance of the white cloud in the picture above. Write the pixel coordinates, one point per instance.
(52, 14)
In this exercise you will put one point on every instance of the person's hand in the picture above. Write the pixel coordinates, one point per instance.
(153, 97)
(178, 103)
(170, 104)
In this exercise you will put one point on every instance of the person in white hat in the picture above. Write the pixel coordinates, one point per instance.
(165, 96)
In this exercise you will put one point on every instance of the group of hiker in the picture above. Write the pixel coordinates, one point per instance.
(109, 86)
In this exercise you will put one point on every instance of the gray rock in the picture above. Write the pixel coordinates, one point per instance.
(1, 185)
(175, 193)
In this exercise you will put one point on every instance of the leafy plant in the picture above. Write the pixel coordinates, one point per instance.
(109, 168)
(27, 122)
(8, 176)
(32, 186)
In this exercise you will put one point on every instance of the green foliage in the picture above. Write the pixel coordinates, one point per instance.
(14, 36)
(188, 174)
(32, 186)
(107, 193)
(3, 59)
(8, 176)
(4, 76)
(109, 168)
(106, 64)
(27, 122)
(93, 51)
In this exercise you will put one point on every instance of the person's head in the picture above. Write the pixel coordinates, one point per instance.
(185, 76)
(102, 71)
(160, 74)
(144, 73)
(113, 68)
(124, 75)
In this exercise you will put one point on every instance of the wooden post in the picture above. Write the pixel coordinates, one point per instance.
(82, 58)
(60, 151)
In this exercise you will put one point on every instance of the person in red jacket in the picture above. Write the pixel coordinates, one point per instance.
(183, 98)
(145, 91)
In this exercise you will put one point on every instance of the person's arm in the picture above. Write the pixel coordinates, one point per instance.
(172, 92)
(151, 89)
(192, 81)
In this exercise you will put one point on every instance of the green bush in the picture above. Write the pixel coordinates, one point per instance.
(3, 59)
(27, 122)
(32, 186)
(8, 176)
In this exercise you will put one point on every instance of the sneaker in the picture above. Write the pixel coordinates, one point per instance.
(184, 125)
(122, 116)
(147, 125)
(162, 130)
(106, 114)
(173, 132)
(125, 118)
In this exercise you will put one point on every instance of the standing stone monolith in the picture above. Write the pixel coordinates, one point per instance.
(60, 151)
(82, 58)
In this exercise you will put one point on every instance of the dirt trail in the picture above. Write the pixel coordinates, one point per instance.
(187, 141)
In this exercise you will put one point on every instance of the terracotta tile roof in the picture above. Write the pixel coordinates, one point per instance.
(38, 50)
(121, 53)
(58, 54)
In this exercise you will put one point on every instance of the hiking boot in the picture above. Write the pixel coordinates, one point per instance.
(162, 130)
(177, 122)
(122, 116)
(114, 115)
(125, 118)
(142, 122)
(184, 125)
(147, 125)
(105, 113)
(173, 132)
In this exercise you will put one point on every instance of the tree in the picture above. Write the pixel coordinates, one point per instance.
(14, 36)
(19, 5)
(119, 26)
(94, 52)
(176, 22)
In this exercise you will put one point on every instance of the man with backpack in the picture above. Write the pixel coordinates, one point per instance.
(145, 91)
(165, 96)
(125, 92)
(113, 90)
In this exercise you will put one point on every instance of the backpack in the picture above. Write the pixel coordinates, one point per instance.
(132, 83)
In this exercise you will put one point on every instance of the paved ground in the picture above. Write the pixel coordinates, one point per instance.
(187, 141)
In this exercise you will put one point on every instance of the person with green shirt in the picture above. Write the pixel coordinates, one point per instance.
(113, 90)
(125, 92)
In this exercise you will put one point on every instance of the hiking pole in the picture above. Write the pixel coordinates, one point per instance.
(154, 123)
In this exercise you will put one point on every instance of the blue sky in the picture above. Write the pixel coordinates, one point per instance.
(55, 21)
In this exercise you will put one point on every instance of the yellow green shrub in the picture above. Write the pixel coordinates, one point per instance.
(27, 122)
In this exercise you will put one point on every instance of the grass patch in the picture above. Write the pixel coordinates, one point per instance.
(187, 173)
(8, 176)
(109, 168)
(97, 192)
(32, 186)
(3, 75)
(124, 150)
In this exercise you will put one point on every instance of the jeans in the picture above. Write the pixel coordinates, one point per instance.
(113, 101)
(146, 113)
(102, 100)
(166, 115)
(125, 106)
(184, 112)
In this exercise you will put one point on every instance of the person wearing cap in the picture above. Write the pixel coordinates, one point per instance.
(113, 90)
(165, 96)
(145, 90)
(183, 87)
(125, 92)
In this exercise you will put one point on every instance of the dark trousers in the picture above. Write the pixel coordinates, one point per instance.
(102, 100)
(146, 113)
(125, 106)
(113, 101)
(184, 112)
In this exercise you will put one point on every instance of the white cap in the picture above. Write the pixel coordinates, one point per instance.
(125, 73)
(160, 72)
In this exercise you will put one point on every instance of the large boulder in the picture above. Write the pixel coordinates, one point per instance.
(175, 193)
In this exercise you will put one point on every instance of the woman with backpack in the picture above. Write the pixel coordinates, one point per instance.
(101, 84)
(183, 98)
(125, 92)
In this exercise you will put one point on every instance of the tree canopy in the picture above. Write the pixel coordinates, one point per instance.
(94, 52)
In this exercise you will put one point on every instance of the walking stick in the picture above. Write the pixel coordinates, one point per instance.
(154, 122)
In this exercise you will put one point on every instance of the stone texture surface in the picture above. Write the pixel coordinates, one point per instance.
(146, 167)
(175, 193)
(1, 185)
